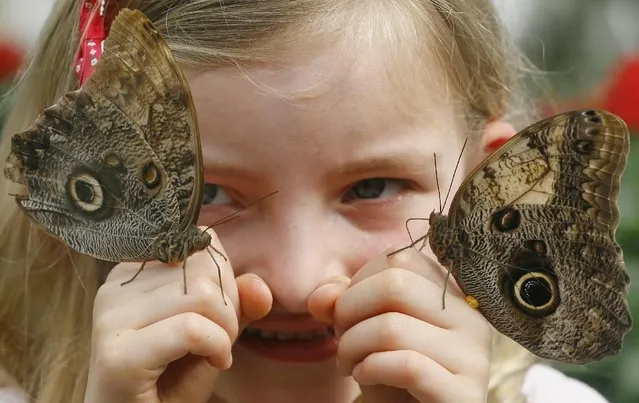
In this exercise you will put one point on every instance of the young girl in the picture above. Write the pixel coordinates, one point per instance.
(339, 105)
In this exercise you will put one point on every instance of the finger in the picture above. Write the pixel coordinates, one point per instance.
(321, 303)
(376, 265)
(156, 274)
(409, 259)
(385, 394)
(256, 299)
(395, 331)
(161, 343)
(203, 298)
(400, 290)
(420, 376)
(189, 379)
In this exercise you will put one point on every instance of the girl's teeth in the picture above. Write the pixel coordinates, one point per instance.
(267, 334)
(284, 336)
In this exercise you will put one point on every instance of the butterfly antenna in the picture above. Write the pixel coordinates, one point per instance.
(439, 194)
(452, 180)
(233, 215)
(222, 221)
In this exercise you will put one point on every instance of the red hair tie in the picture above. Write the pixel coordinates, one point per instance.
(96, 25)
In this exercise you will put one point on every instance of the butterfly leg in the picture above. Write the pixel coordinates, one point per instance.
(408, 229)
(219, 270)
(415, 242)
(135, 275)
(218, 252)
(184, 275)
(445, 286)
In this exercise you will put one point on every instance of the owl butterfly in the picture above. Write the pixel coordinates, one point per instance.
(530, 237)
(114, 169)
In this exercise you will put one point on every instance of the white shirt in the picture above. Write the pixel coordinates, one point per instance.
(542, 384)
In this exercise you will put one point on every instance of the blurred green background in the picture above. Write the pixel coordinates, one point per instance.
(577, 44)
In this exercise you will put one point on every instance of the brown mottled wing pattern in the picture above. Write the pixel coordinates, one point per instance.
(116, 163)
(537, 223)
(137, 57)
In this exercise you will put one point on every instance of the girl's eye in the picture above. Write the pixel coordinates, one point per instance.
(376, 188)
(214, 194)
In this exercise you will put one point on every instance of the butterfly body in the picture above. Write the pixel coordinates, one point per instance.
(530, 236)
(175, 247)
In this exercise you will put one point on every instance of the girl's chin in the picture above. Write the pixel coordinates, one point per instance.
(308, 347)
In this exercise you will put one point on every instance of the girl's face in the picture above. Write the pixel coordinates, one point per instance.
(349, 151)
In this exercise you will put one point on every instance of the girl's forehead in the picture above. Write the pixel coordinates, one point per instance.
(321, 109)
(336, 77)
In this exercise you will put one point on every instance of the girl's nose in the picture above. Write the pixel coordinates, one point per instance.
(297, 250)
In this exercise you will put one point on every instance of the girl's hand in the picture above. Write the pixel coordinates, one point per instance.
(396, 340)
(152, 343)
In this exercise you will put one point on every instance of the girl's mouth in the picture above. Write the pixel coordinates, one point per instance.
(307, 346)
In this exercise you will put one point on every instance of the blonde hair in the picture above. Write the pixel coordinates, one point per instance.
(47, 291)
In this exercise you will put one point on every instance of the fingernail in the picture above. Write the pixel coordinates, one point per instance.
(261, 282)
(229, 361)
(326, 287)
(341, 281)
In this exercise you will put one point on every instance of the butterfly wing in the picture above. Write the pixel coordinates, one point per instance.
(143, 79)
(98, 166)
(537, 220)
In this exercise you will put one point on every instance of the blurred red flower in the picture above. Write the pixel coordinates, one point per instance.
(622, 97)
(10, 59)
(618, 93)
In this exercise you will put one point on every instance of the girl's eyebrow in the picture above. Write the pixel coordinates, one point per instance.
(226, 170)
(400, 163)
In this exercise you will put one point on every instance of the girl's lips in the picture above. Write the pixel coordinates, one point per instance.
(291, 351)
(288, 323)
(301, 339)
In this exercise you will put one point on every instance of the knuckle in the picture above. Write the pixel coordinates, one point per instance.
(103, 324)
(394, 285)
(403, 259)
(391, 330)
(109, 359)
(203, 290)
(192, 327)
(411, 367)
